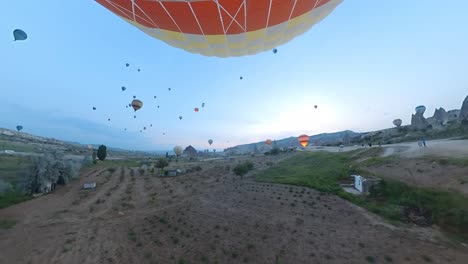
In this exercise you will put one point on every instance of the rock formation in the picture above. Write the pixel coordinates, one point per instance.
(464, 110)
(440, 116)
(418, 121)
(190, 151)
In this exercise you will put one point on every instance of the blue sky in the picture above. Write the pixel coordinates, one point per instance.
(366, 64)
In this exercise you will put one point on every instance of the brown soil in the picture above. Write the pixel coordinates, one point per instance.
(210, 216)
(426, 173)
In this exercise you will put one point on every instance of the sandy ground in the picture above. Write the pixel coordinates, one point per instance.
(210, 216)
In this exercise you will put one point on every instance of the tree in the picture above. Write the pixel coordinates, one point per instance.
(161, 163)
(167, 155)
(102, 152)
(243, 168)
(94, 157)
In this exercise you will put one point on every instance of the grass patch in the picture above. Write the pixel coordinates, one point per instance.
(323, 171)
(12, 166)
(7, 224)
(11, 198)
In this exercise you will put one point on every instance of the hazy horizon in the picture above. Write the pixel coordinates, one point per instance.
(365, 65)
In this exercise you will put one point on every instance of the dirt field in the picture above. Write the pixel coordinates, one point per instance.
(210, 216)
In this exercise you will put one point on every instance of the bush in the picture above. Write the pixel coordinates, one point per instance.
(102, 152)
(242, 168)
(47, 171)
(275, 151)
(5, 187)
(161, 163)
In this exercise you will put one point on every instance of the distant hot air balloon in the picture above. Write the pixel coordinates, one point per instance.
(158, 106)
(203, 105)
(137, 104)
(19, 127)
(130, 104)
(134, 96)
(196, 109)
(108, 119)
(420, 109)
(210, 141)
(275, 51)
(144, 128)
(178, 150)
(127, 64)
(19, 34)
(123, 88)
(125, 129)
(268, 142)
(223, 28)
(180, 117)
(138, 70)
(169, 89)
(94, 108)
(397, 122)
(164, 134)
(151, 125)
(155, 97)
(141, 130)
(304, 140)
(241, 77)
(315, 106)
(134, 116)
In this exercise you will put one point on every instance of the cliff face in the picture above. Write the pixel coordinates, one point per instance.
(464, 110)
(440, 116)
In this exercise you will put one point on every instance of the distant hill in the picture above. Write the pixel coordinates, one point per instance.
(291, 142)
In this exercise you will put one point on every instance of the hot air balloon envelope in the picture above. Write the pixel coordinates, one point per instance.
(304, 140)
(268, 142)
(196, 109)
(19, 128)
(397, 122)
(210, 141)
(420, 109)
(223, 28)
(178, 150)
(19, 34)
(137, 104)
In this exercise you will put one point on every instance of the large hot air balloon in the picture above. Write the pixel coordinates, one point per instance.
(303, 140)
(210, 141)
(196, 109)
(19, 128)
(178, 150)
(223, 28)
(397, 122)
(268, 142)
(420, 109)
(19, 34)
(137, 104)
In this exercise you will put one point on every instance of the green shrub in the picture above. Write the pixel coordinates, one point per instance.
(242, 168)
(102, 152)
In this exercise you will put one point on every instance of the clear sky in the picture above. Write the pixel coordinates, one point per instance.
(366, 64)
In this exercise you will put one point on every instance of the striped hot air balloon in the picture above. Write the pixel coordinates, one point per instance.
(137, 104)
(222, 28)
(304, 140)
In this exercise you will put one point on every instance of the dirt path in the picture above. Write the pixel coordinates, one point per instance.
(209, 216)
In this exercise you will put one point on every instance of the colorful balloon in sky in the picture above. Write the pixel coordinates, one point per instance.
(303, 140)
(268, 142)
(178, 150)
(196, 109)
(397, 122)
(19, 34)
(420, 109)
(137, 104)
(223, 28)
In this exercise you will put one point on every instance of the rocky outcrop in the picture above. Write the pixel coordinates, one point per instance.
(190, 151)
(418, 121)
(440, 116)
(464, 110)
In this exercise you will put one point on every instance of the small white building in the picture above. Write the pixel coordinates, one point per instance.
(364, 184)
